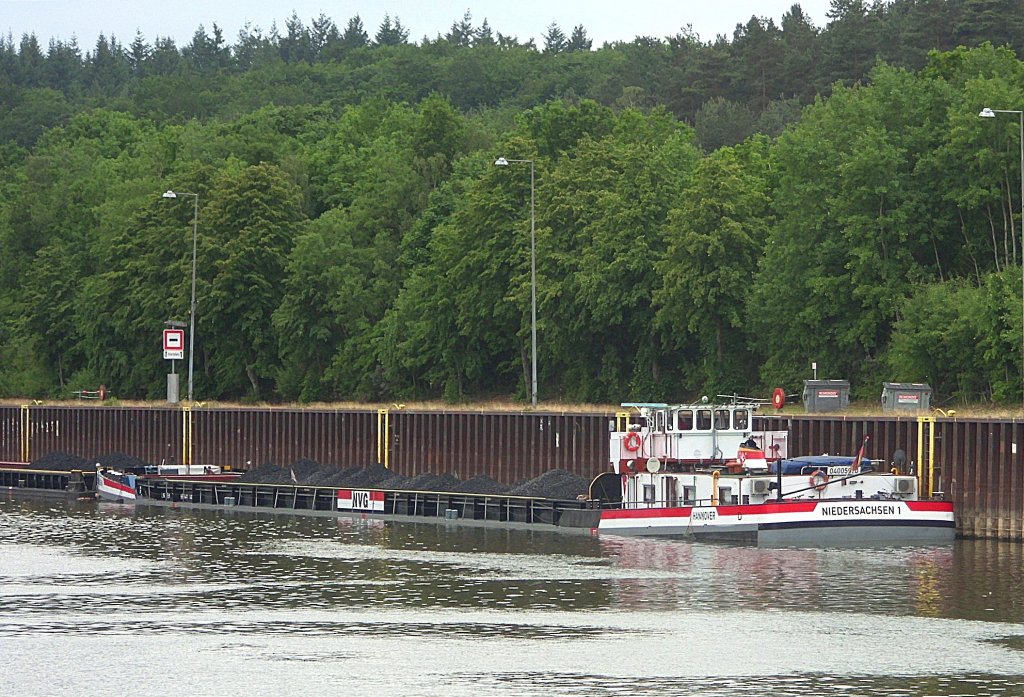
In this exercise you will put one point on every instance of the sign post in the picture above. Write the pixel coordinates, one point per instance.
(174, 350)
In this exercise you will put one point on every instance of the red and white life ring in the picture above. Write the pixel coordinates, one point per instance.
(632, 442)
(778, 398)
(819, 480)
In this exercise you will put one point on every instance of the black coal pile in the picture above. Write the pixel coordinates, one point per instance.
(323, 476)
(554, 484)
(396, 482)
(267, 473)
(428, 481)
(368, 477)
(62, 462)
(481, 485)
(336, 476)
(304, 469)
(120, 462)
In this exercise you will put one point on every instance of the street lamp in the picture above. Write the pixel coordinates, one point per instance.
(502, 162)
(192, 304)
(987, 113)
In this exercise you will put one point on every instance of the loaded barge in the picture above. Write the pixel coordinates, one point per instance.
(694, 471)
(222, 491)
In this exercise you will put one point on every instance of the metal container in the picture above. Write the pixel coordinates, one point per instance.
(826, 395)
(906, 396)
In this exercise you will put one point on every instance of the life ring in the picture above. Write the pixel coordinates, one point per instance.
(632, 442)
(778, 398)
(819, 480)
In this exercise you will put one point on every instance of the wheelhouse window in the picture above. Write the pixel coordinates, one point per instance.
(659, 422)
(721, 419)
(703, 419)
(741, 420)
(684, 420)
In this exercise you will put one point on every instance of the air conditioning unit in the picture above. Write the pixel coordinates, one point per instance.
(905, 485)
(760, 486)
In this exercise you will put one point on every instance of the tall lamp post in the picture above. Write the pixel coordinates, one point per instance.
(192, 303)
(502, 162)
(987, 113)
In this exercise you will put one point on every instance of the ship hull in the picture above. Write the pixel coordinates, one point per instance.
(811, 523)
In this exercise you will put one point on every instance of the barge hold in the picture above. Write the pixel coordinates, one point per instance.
(576, 513)
(218, 490)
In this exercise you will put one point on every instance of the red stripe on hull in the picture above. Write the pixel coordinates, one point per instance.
(933, 506)
(114, 484)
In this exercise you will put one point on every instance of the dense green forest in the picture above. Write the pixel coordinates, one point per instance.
(711, 216)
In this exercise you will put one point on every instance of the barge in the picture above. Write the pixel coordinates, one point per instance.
(694, 471)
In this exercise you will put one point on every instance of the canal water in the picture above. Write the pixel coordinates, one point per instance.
(107, 599)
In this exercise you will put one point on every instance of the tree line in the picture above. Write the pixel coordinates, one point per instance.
(728, 87)
(369, 248)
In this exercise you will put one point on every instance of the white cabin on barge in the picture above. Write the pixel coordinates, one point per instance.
(685, 437)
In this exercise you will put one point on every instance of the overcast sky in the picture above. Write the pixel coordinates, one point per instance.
(604, 20)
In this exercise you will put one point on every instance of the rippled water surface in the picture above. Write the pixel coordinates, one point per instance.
(105, 599)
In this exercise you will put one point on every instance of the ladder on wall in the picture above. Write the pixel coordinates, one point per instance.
(929, 475)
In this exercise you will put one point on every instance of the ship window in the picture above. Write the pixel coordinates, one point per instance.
(704, 420)
(721, 419)
(649, 495)
(659, 422)
(689, 495)
(740, 419)
(684, 420)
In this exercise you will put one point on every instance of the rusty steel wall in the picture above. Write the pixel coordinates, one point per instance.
(10, 433)
(983, 471)
(508, 447)
(253, 437)
(151, 434)
(837, 435)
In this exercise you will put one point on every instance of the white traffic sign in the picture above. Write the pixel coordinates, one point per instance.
(174, 344)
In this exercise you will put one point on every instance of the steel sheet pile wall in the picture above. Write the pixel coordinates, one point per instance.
(11, 427)
(818, 435)
(253, 437)
(153, 435)
(983, 471)
(508, 447)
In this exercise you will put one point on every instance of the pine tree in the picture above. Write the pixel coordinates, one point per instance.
(391, 33)
(355, 36)
(579, 41)
(554, 39)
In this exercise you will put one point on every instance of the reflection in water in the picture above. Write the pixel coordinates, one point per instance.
(441, 608)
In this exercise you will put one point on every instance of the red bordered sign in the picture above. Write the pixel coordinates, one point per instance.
(174, 344)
